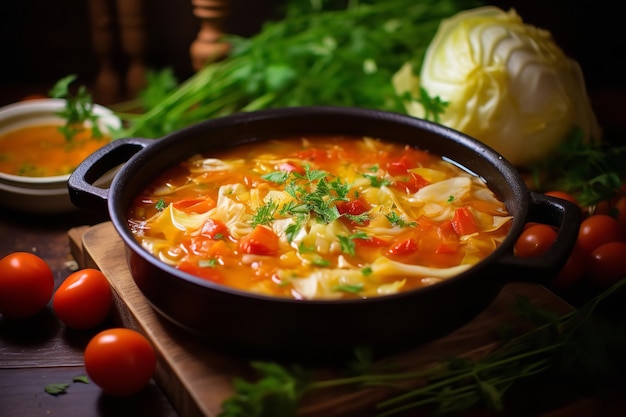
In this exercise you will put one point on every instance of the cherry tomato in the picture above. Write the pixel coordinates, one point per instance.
(596, 230)
(606, 265)
(120, 361)
(572, 272)
(562, 195)
(83, 300)
(26, 284)
(620, 212)
(535, 240)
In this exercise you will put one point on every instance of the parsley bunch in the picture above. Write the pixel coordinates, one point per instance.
(591, 171)
(78, 109)
(324, 52)
(584, 346)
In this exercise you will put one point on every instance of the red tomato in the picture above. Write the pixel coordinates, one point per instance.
(214, 229)
(412, 183)
(463, 222)
(399, 167)
(83, 300)
(26, 284)
(535, 240)
(562, 195)
(353, 208)
(606, 265)
(120, 361)
(572, 272)
(290, 166)
(620, 212)
(401, 249)
(596, 230)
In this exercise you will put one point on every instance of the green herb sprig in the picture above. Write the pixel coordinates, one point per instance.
(78, 109)
(590, 171)
(326, 52)
(315, 193)
(571, 345)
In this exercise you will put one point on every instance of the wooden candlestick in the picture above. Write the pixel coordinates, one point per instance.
(208, 45)
(133, 43)
(107, 82)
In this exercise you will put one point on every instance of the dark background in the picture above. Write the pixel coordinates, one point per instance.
(44, 40)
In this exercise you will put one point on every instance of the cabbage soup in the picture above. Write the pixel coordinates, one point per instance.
(319, 217)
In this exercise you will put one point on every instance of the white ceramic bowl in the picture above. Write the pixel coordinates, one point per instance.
(41, 195)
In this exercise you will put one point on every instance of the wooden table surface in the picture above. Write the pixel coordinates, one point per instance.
(40, 351)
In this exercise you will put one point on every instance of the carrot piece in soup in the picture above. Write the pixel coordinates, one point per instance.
(195, 205)
(203, 270)
(261, 241)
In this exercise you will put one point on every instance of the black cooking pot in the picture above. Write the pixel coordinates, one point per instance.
(248, 322)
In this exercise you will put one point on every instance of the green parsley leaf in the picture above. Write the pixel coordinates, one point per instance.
(358, 218)
(395, 219)
(278, 177)
(377, 182)
(265, 214)
(350, 288)
(433, 106)
(207, 263)
(347, 242)
(78, 109)
(84, 379)
(57, 388)
(321, 262)
(160, 205)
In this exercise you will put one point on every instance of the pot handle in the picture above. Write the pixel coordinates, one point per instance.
(88, 185)
(554, 212)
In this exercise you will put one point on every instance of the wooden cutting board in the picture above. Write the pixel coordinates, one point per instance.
(197, 378)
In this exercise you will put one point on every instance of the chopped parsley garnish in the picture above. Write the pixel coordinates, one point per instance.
(350, 288)
(347, 242)
(321, 262)
(207, 263)
(314, 193)
(160, 205)
(56, 388)
(265, 214)
(377, 182)
(396, 220)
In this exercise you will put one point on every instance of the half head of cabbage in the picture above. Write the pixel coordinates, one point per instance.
(507, 84)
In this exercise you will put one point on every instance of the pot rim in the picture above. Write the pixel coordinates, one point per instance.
(514, 183)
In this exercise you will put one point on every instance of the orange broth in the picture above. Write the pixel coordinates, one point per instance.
(319, 218)
(43, 151)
